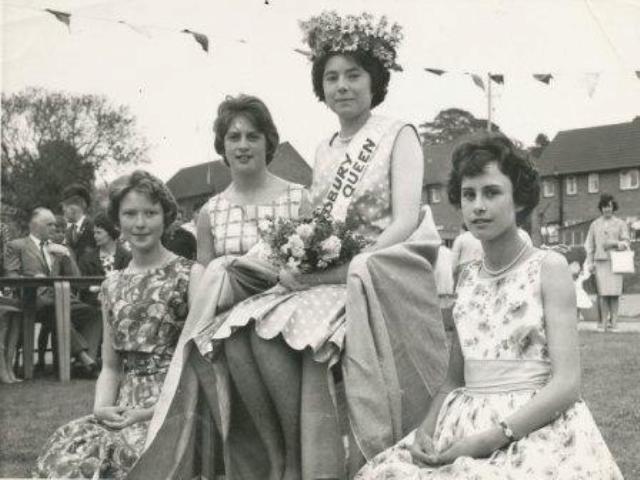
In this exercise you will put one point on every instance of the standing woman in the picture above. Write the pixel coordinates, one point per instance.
(606, 233)
(144, 309)
(227, 231)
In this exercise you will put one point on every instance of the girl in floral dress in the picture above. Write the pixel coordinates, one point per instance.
(511, 406)
(144, 309)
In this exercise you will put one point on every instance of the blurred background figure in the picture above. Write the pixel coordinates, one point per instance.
(76, 200)
(606, 233)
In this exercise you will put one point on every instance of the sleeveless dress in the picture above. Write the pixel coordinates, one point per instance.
(315, 317)
(146, 312)
(501, 326)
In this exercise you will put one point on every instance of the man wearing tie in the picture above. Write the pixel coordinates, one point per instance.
(79, 234)
(35, 256)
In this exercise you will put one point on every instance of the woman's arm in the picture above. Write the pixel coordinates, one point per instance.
(590, 247)
(108, 383)
(194, 280)
(407, 166)
(563, 389)
(204, 237)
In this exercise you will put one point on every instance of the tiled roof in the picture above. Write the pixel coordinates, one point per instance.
(592, 149)
(213, 177)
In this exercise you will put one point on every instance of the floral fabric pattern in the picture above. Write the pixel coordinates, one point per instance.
(501, 321)
(146, 314)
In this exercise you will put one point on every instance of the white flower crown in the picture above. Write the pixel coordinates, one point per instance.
(328, 32)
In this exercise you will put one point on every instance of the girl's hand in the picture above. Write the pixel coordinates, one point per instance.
(128, 417)
(291, 281)
(480, 445)
(622, 246)
(110, 416)
(422, 450)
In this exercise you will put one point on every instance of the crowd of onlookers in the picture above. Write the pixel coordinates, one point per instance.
(80, 241)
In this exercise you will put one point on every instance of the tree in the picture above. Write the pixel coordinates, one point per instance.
(451, 124)
(51, 139)
(38, 180)
(541, 142)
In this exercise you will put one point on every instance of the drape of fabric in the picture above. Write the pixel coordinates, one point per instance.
(182, 441)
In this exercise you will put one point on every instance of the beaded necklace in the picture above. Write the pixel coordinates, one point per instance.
(501, 270)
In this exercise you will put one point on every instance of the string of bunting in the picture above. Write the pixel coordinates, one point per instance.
(589, 79)
(144, 30)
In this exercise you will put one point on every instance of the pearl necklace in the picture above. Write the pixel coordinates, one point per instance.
(501, 270)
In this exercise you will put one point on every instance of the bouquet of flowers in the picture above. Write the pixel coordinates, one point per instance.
(309, 244)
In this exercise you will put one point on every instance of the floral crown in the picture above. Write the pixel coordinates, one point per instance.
(328, 32)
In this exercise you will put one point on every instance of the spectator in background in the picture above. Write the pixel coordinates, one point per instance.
(79, 235)
(180, 241)
(606, 233)
(36, 256)
(9, 320)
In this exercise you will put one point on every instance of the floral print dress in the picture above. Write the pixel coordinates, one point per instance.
(146, 312)
(500, 323)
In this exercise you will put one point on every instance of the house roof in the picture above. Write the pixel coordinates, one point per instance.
(592, 149)
(213, 177)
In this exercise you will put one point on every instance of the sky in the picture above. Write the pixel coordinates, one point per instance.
(173, 87)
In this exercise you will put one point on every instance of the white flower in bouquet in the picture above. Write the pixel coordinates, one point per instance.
(331, 248)
(322, 264)
(305, 231)
(295, 245)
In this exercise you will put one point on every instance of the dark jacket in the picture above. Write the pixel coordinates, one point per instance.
(91, 266)
(83, 241)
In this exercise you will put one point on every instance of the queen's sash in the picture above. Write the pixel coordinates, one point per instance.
(353, 167)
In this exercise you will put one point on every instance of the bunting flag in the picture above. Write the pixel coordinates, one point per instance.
(63, 17)
(497, 77)
(543, 77)
(435, 71)
(477, 80)
(638, 74)
(201, 38)
(591, 82)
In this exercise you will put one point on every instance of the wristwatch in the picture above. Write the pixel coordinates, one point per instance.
(506, 429)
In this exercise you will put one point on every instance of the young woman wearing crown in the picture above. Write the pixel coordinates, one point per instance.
(373, 324)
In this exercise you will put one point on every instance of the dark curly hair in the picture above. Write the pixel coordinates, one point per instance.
(472, 157)
(142, 182)
(102, 220)
(607, 199)
(380, 76)
(256, 112)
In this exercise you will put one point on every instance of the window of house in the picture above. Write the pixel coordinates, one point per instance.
(435, 195)
(630, 179)
(548, 188)
(572, 185)
(593, 182)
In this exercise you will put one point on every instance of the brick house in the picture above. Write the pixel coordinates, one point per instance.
(576, 168)
(193, 185)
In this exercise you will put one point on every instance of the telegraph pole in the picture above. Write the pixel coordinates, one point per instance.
(489, 101)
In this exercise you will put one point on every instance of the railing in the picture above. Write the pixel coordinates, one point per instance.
(62, 301)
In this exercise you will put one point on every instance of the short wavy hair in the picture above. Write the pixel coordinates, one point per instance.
(471, 158)
(146, 184)
(380, 76)
(256, 112)
(607, 199)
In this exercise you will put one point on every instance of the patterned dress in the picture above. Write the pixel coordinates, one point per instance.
(146, 314)
(500, 323)
(315, 317)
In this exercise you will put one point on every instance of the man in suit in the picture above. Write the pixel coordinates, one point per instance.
(79, 234)
(36, 256)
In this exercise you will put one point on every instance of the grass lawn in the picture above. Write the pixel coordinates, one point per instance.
(31, 411)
